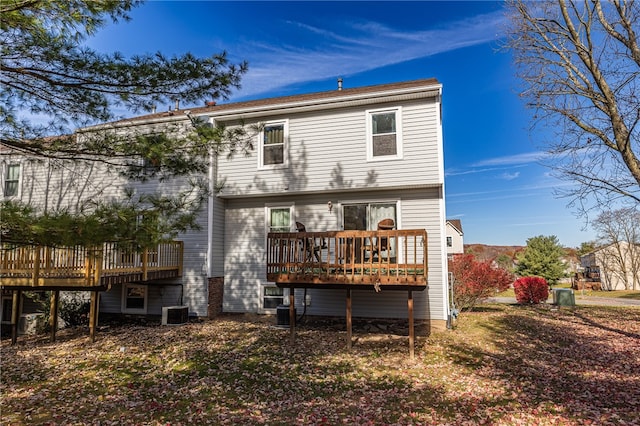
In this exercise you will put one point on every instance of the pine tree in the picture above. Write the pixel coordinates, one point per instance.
(543, 258)
(47, 72)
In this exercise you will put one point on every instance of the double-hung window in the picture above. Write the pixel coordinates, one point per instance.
(134, 299)
(273, 145)
(384, 134)
(12, 180)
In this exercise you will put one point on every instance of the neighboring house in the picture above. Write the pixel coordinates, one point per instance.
(455, 238)
(616, 266)
(335, 160)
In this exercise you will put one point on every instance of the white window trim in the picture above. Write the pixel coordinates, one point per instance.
(398, 111)
(267, 226)
(285, 298)
(124, 299)
(342, 203)
(285, 148)
(5, 170)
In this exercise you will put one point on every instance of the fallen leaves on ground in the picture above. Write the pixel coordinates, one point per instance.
(505, 365)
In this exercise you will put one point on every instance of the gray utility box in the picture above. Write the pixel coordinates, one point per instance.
(563, 297)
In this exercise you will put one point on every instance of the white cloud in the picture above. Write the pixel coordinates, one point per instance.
(524, 158)
(456, 172)
(350, 50)
(510, 176)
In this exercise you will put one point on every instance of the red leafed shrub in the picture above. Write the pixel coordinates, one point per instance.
(531, 290)
(476, 280)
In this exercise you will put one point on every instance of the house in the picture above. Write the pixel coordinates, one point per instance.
(333, 161)
(615, 266)
(455, 238)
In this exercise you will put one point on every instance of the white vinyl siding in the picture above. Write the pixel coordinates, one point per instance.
(57, 184)
(158, 295)
(328, 151)
(245, 270)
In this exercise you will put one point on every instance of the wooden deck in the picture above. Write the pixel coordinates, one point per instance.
(78, 268)
(341, 259)
(382, 259)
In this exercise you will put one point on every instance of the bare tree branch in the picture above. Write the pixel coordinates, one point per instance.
(580, 63)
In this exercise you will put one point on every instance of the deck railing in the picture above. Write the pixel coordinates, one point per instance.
(338, 258)
(41, 266)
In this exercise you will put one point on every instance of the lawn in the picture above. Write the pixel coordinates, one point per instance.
(503, 365)
(617, 294)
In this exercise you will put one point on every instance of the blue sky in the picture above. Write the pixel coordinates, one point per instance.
(493, 180)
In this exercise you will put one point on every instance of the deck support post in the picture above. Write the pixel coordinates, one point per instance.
(411, 325)
(349, 322)
(53, 314)
(15, 315)
(292, 315)
(93, 315)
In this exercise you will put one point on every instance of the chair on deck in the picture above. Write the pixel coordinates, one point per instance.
(309, 246)
(382, 244)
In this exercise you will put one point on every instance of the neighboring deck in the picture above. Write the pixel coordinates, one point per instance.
(79, 268)
(393, 259)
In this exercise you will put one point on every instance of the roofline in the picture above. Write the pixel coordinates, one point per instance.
(455, 227)
(391, 92)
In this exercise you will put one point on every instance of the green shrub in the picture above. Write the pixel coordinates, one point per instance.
(74, 309)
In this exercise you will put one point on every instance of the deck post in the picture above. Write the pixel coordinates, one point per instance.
(145, 262)
(411, 328)
(349, 323)
(15, 315)
(93, 315)
(97, 267)
(53, 314)
(36, 266)
(292, 315)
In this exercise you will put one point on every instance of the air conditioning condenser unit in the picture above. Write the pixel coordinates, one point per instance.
(175, 315)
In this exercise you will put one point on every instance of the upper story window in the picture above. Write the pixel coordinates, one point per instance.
(449, 242)
(273, 145)
(12, 180)
(384, 134)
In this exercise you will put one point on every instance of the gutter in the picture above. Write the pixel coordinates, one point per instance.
(222, 195)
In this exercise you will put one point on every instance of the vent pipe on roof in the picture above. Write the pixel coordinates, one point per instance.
(339, 83)
(177, 104)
